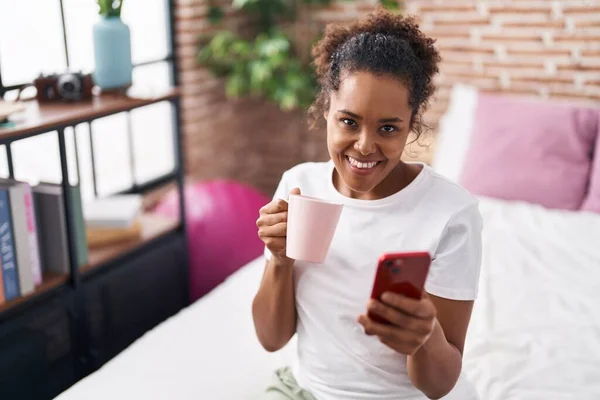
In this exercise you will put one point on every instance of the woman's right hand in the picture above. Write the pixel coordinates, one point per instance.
(272, 227)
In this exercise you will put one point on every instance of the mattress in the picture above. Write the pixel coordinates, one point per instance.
(535, 330)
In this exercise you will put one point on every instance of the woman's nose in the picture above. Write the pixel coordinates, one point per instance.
(365, 144)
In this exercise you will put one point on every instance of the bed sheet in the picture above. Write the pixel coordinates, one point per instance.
(207, 351)
(535, 330)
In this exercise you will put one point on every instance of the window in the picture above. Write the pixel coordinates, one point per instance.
(50, 36)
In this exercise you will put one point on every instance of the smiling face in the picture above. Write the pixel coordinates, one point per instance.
(368, 123)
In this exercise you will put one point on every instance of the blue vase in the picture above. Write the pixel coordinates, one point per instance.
(112, 54)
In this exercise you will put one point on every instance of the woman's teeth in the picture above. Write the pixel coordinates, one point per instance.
(362, 165)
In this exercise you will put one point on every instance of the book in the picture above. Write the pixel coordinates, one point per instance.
(32, 230)
(51, 201)
(101, 237)
(7, 250)
(31, 223)
(18, 212)
(79, 226)
(2, 297)
(117, 211)
(52, 228)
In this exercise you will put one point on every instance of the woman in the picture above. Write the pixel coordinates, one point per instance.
(376, 79)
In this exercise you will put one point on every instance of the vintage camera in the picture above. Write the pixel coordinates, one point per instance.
(70, 86)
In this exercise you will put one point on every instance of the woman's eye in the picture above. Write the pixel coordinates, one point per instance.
(349, 122)
(389, 129)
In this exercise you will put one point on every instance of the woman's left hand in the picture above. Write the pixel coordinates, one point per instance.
(412, 321)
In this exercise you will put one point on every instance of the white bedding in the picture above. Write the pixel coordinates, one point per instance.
(535, 331)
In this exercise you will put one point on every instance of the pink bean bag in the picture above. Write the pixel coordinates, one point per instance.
(221, 228)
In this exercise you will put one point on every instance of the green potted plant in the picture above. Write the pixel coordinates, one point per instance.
(112, 47)
(266, 65)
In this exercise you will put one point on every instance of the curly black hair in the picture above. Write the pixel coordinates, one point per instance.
(383, 44)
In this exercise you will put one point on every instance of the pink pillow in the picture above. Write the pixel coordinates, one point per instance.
(531, 150)
(592, 199)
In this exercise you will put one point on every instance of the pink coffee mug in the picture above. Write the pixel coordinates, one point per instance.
(310, 228)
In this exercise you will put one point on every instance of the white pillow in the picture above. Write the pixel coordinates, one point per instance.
(455, 129)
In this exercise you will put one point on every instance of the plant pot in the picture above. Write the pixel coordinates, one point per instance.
(112, 54)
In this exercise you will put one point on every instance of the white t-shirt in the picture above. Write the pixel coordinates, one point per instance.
(336, 360)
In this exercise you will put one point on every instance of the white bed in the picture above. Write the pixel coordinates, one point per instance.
(535, 331)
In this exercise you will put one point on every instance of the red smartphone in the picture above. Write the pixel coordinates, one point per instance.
(402, 273)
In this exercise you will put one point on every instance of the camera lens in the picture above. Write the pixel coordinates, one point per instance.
(389, 264)
(69, 86)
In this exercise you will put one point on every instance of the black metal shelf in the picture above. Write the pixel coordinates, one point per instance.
(73, 323)
(44, 118)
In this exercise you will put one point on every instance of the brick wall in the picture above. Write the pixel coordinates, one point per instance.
(537, 48)
(543, 48)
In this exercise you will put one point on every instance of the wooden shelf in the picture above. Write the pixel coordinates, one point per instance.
(44, 117)
(153, 226)
(49, 281)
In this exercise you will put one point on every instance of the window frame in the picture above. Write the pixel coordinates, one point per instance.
(170, 58)
(171, 61)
